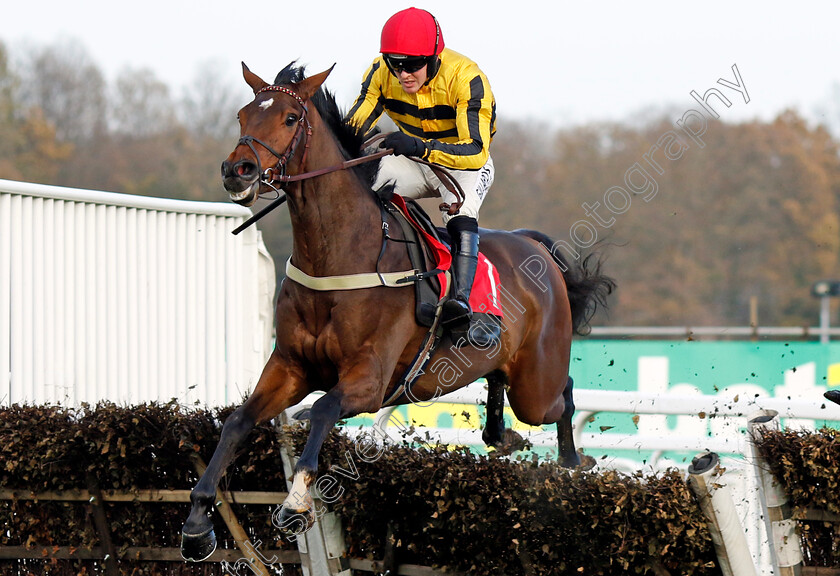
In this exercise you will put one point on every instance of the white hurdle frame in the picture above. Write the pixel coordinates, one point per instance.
(734, 446)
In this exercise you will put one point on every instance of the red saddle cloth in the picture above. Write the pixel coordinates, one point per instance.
(484, 297)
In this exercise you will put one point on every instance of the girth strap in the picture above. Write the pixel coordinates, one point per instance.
(350, 281)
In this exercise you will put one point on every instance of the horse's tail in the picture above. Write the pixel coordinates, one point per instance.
(586, 286)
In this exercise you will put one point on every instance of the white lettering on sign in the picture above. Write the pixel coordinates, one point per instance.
(800, 383)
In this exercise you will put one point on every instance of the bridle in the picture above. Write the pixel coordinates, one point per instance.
(276, 177)
(277, 173)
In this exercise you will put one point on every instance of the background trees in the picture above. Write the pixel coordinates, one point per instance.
(753, 214)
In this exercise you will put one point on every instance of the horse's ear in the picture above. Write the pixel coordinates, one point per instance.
(307, 88)
(255, 82)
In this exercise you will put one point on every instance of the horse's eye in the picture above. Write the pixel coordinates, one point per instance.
(291, 119)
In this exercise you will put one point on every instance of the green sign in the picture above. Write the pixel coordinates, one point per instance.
(781, 369)
(796, 370)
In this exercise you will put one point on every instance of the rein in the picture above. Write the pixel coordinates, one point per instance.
(285, 178)
(277, 173)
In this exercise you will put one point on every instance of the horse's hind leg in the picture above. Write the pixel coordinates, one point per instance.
(505, 440)
(542, 401)
(494, 422)
(275, 392)
(565, 439)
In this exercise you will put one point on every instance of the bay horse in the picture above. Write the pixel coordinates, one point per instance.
(355, 344)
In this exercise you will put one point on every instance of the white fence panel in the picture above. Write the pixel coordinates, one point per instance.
(129, 298)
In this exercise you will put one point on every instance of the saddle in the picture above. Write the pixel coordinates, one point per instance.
(428, 249)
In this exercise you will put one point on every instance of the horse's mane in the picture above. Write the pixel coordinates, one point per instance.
(349, 137)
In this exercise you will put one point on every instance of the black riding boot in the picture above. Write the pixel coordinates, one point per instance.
(457, 315)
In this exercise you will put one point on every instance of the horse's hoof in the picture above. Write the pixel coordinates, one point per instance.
(571, 462)
(571, 459)
(294, 522)
(198, 547)
(510, 442)
(585, 462)
(490, 438)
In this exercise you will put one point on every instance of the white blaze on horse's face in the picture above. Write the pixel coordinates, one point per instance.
(267, 104)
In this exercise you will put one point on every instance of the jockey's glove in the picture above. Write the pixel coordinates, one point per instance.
(404, 145)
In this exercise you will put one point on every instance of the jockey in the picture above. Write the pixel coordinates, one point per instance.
(442, 103)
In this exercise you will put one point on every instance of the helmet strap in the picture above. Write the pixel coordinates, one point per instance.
(434, 61)
(432, 68)
(437, 34)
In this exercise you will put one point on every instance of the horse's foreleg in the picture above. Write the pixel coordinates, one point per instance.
(274, 392)
(298, 511)
(348, 397)
(197, 538)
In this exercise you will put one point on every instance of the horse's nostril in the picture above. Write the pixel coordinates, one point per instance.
(245, 169)
(242, 169)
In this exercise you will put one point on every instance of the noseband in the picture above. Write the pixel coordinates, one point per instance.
(277, 173)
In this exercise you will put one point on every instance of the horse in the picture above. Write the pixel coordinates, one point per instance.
(355, 344)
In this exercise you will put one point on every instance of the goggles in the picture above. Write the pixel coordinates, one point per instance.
(409, 64)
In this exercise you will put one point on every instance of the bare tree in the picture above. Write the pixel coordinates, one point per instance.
(828, 112)
(9, 133)
(68, 87)
(141, 105)
(208, 107)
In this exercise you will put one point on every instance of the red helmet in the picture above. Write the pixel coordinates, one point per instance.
(412, 32)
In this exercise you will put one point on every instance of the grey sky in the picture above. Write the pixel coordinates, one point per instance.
(566, 62)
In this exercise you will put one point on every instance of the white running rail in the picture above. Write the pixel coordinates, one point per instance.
(129, 298)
